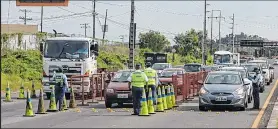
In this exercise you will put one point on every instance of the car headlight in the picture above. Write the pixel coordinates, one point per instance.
(203, 91)
(109, 90)
(239, 91)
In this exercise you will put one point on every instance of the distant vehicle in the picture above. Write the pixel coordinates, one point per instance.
(118, 90)
(223, 88)
(244, 75)
(159, 67)
(226, 57)
(250, 67)
(271, 69)
(178, 66)
(275, 62)
(193, 67)
(166, 75)
(265, 66)
(210, 68)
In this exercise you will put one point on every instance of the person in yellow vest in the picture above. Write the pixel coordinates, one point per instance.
(137, 81)
(152, 82)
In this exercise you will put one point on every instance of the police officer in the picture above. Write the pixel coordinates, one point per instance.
(137, 81)
(256, 88)
(152, 80)
(61, 85)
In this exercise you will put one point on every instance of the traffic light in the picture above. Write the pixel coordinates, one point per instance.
(42, 2)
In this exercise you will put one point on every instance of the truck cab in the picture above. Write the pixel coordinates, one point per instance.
(76, 56)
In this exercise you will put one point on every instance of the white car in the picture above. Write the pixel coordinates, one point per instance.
(275, 62)
(244, 75)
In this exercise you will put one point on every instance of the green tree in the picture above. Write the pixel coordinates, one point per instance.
(153, 40)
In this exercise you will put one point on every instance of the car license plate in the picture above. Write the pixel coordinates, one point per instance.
(221, 99)
(122, 95)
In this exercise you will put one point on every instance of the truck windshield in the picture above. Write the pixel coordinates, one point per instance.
(160, 66)
(222, 58)
(66, 49)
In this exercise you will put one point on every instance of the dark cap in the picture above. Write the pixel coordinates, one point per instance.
(255, 69)
(137, 66)
(59, 70)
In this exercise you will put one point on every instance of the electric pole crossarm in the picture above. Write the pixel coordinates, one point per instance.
(85, 26)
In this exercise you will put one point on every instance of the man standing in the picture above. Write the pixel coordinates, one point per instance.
(137, 81)
(152, 81)
(256, 88)
(61, 85)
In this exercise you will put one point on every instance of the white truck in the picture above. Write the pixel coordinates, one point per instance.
(226, 58)
(76, 56)
(266, 71)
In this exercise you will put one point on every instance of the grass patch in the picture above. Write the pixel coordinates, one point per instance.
(277, 123)
(15, 83)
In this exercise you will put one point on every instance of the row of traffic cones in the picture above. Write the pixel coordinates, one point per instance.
(164, 101)
(21, 93)
(52, 105)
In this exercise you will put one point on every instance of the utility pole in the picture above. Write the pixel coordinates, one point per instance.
(220, 28)
(41, 17)
(233, 27)
(132, 35)
(25, 16)
(211, 26)
(204, 33)
(85, 26)
(220, 16)
(94, 20)
(104, 27)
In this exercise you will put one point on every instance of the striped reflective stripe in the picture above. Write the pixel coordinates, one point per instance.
(143, 99)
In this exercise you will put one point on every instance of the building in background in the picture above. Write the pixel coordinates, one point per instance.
(28, 40)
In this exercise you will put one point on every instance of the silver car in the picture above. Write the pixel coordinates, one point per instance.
(223, 89)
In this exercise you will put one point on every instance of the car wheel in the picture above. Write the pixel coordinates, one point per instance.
(67, 96)
(48, 95)
(120, 104)
(268, 83)
(249, 99)
(108, 104)
(202, 108)
(242, 108)
(261, 89)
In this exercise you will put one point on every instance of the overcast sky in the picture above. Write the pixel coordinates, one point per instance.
(170, 18)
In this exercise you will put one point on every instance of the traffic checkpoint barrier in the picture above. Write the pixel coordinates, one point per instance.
(21, 92)
(187, 85)
(8, 94)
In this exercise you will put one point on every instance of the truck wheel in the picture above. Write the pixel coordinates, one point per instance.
(108, 104)
(48, 95)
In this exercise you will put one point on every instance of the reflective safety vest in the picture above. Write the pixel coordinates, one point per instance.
(151, 75)
(137, 79)
(59, 79)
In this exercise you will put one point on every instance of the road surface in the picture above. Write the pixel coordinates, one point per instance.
(186, 115)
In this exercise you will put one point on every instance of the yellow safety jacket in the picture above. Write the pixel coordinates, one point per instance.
(137, 79)
(151, 73)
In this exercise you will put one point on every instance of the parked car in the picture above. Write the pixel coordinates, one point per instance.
(244, 75)
(250, 67)
(118, 90)
(178, 66)
(264, 64)
(166, 75)
(223, 88)
(159, 67)
(271, 69)
(193, 67)
(275, 62)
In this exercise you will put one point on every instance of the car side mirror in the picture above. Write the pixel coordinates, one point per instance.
(264, 72)
(200, 82)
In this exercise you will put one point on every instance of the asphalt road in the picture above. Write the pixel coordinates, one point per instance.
(186, 116)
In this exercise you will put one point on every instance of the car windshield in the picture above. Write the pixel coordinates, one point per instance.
(66, 49)
(169, 73)
(250, 68)
(218, 59)
(160, 66)
(121, 76)
(242, 72)
(223, 78)
(192, 68)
